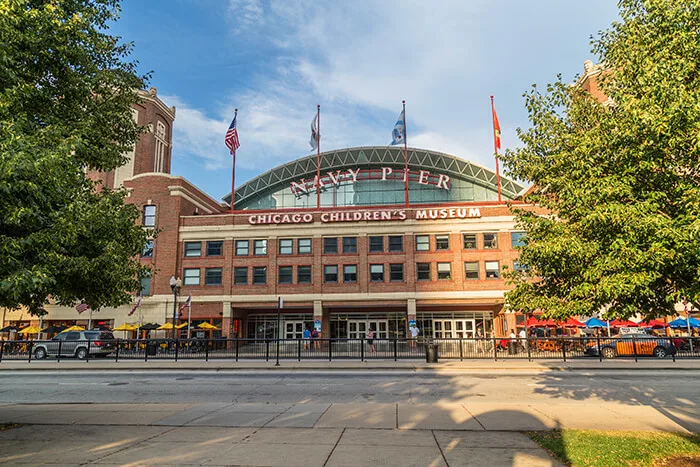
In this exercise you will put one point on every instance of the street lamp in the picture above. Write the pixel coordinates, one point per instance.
(175, 285)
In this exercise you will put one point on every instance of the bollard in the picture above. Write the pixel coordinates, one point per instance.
(267, 350)
(461, 350)
(206, 351)
(298, 350)
(330, 350)
(395, 348)
(31, 344)
(58, 357)
(362, 349)
(116, 353)
(145, 352)
(237, 349)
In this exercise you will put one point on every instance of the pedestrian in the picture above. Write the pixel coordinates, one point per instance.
(318, 338)
(314, 339)
(414, 335)
(523, 339)
(370, 339)
(307, 338)
(512, 342)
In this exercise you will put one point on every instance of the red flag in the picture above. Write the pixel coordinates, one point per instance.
(82, 307)
(496, 129)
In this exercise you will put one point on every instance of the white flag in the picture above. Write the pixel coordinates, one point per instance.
(315, 136)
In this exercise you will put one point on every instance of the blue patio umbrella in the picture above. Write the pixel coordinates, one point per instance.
(683, 324)
(595, 323)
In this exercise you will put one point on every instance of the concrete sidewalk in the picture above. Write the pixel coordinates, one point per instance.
(403, 365)
(310, 434)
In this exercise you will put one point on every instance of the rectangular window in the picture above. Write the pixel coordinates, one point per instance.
(517, 239)
(376, 272)
(240, 276)
(422, 242)
(215, 248)
(241, 247)
(212, 276)
(286, 246)
(193, 249)
(471, 270)
(442, 242)
(490, 241)
(330, 273)
(469, 241)
(492, 270)
(145, 286)
(285, 275)
(303, 274)
(260, 247)
(350, 273)
(191, 277)
(376, 244)
(147, 251)
(444, 271)
(349, 244)
(260, 275)
(423, 271)
(396, 243)
(330, 245)
(396, 272)
(304, 246)
(149, 216)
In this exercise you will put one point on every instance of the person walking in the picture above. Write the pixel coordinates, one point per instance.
(414, 335)
(307, 338)
(522, 335)
(370, 339)
(314, 339)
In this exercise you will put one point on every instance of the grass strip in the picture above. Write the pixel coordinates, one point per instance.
(8, 426)
(592, 448)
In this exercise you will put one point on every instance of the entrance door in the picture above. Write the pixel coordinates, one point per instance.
(293, 329)
(357, 329)
(453, 328)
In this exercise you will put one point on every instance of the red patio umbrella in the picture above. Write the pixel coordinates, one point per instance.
(623, 324)
(654, 323)
(536, 323)
(572, 323)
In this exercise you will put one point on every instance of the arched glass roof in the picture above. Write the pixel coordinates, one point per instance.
(367, 184)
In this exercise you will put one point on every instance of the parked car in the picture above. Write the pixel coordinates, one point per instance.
(75, 344)
(625, 345)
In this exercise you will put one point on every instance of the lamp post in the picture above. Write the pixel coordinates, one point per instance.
(175, 285)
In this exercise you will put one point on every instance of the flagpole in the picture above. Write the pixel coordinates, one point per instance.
(189, 316)
(318, 156)
(233, 171)
(405, 152)
(495, 148)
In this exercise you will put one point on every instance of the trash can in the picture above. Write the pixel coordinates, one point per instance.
(151, 348)
(512, 347)
(431, 352)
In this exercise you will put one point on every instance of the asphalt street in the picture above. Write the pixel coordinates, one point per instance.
(652, 388)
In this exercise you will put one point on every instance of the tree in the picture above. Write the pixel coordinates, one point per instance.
(65, 107)
(620, 180)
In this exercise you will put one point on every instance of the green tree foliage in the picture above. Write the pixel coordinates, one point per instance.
(621, 179)
(65, 95)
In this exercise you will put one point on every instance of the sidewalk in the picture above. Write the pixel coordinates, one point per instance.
(451, 366)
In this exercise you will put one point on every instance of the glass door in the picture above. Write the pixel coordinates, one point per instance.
(293, 329)
(357, 329)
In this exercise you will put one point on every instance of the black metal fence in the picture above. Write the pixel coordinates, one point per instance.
(561, 348)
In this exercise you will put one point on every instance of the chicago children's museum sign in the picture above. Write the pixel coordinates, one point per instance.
(365, 215)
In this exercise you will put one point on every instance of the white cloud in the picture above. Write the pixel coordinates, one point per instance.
(359, 59)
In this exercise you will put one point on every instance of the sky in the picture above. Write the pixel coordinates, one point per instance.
(275, 60)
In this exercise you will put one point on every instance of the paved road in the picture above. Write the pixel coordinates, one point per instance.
(652, 388)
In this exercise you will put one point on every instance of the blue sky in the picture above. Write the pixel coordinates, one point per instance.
(276, 59)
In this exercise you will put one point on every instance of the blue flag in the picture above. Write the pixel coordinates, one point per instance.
(399, 134)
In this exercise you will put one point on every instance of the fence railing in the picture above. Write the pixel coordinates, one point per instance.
(562, 348)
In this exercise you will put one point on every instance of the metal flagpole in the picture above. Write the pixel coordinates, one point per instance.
(189, 315)
(687, 322)
(90, 320)
(233, 172)
(405, 152)
(318, 156)
(495, 146)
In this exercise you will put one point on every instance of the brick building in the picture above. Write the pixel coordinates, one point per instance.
(362, 259)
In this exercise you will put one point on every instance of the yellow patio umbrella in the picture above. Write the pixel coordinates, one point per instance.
(126, 327)
(74, 328)
(208, 327)
(180, 326)
(29, 330)
(165, 327)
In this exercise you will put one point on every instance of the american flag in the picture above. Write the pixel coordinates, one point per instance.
(187, 303)
(82, 307)
(135, 307)
(231, 139)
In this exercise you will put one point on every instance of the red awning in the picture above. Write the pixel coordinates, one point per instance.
(536, 323)
(572, 323)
